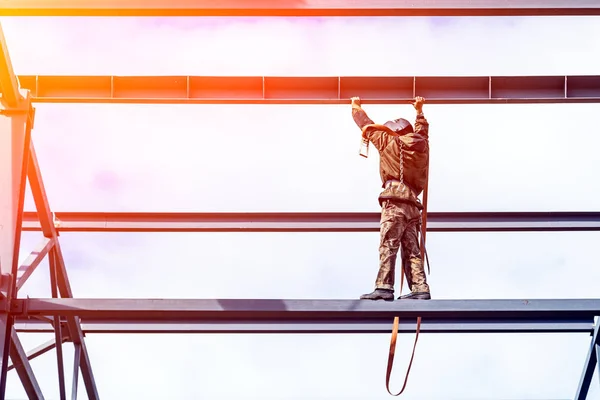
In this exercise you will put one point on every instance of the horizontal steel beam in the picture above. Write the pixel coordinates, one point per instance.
(294, 311)
(357, 8)
(312, 90)
(319, 326)
(313, 222)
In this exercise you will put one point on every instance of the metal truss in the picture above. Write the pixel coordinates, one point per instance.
(312, 90)
(70, 319)
(305, 8)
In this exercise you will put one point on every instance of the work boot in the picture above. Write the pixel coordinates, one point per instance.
(379, 294)
(416, 296)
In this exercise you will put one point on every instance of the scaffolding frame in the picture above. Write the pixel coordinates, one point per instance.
(70, 319)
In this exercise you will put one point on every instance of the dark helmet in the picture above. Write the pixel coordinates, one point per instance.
(400, 126)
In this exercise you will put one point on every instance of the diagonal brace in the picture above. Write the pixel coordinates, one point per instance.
(41, 349)
(34, 259)
(48, 228)
(592, 361)
(9, 86)
(23, 367)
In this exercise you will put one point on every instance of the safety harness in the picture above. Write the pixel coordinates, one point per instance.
(390, 363)
(424, 256)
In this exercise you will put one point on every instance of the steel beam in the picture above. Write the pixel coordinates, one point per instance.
(282, 311)
(592, 362)
(289, 8)
(24, 370)
(313, 222)
(312, 90)
(317, 326)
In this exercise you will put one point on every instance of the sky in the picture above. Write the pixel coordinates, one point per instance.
(305, 158)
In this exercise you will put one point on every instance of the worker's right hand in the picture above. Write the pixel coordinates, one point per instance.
(418, 104)
(355, 101)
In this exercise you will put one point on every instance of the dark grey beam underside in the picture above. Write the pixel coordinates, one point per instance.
(319, 327)
(313, 222)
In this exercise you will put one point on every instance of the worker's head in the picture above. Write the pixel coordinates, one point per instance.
(400, 126)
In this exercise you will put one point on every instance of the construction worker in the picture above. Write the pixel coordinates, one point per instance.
(404, 159)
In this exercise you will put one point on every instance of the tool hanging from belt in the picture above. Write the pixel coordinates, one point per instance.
(390, 363)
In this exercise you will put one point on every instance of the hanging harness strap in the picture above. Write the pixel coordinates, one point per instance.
(390, 363)
(392, 352)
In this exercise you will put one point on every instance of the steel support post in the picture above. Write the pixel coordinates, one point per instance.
(16, 118)
(56, 259)
(313, 90)
(58, 335)
(76, 361)
(293, 8)
(592, 362)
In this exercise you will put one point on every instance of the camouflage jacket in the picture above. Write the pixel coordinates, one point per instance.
(415, 153)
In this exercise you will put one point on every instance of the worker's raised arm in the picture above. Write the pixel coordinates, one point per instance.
(378, 137)
(421, 124)
(419, 139)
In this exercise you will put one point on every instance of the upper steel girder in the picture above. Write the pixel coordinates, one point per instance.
(312, 90)
(358, 8)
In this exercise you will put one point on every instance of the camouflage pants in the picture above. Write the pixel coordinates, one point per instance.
(400, 224)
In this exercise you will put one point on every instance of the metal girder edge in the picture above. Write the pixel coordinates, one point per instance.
(289, 8)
